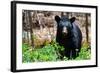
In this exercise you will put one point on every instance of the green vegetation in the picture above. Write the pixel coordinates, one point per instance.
(85, 52)
(50, 52)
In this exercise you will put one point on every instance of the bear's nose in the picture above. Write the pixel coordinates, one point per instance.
(65, 30)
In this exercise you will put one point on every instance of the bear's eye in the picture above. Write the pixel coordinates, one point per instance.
(63, 23)
(66, 24)
(69, 25)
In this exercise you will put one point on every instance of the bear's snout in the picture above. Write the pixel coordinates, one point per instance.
(65, 31)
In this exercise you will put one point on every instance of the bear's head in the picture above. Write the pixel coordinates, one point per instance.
(64, 24)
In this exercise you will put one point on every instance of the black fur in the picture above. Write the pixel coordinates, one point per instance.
(72, 40)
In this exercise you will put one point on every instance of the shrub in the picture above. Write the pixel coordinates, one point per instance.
(50, 52)
(47, 53)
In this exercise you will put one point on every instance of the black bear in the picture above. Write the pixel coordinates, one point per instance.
(69, 36)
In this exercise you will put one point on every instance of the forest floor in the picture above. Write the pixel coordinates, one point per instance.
(50, 52)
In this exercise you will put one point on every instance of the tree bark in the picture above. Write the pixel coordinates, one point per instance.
(31, 31)
(67, 13)
(86, 27)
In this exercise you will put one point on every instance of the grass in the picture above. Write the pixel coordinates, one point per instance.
(85, 52)
(50, 52)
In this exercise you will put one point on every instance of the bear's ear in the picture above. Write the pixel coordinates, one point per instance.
(57, 19)
(72, 19)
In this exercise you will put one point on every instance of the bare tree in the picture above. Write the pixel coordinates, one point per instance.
(62, 14)
(67, 13)
(86, 27)
(27, 23)
(31, 31)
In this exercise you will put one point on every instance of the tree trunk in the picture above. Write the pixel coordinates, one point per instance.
(67, 13)
(62, 14)
(86, 27)
(31, 31)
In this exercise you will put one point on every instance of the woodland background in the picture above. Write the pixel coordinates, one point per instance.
(39, 34)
